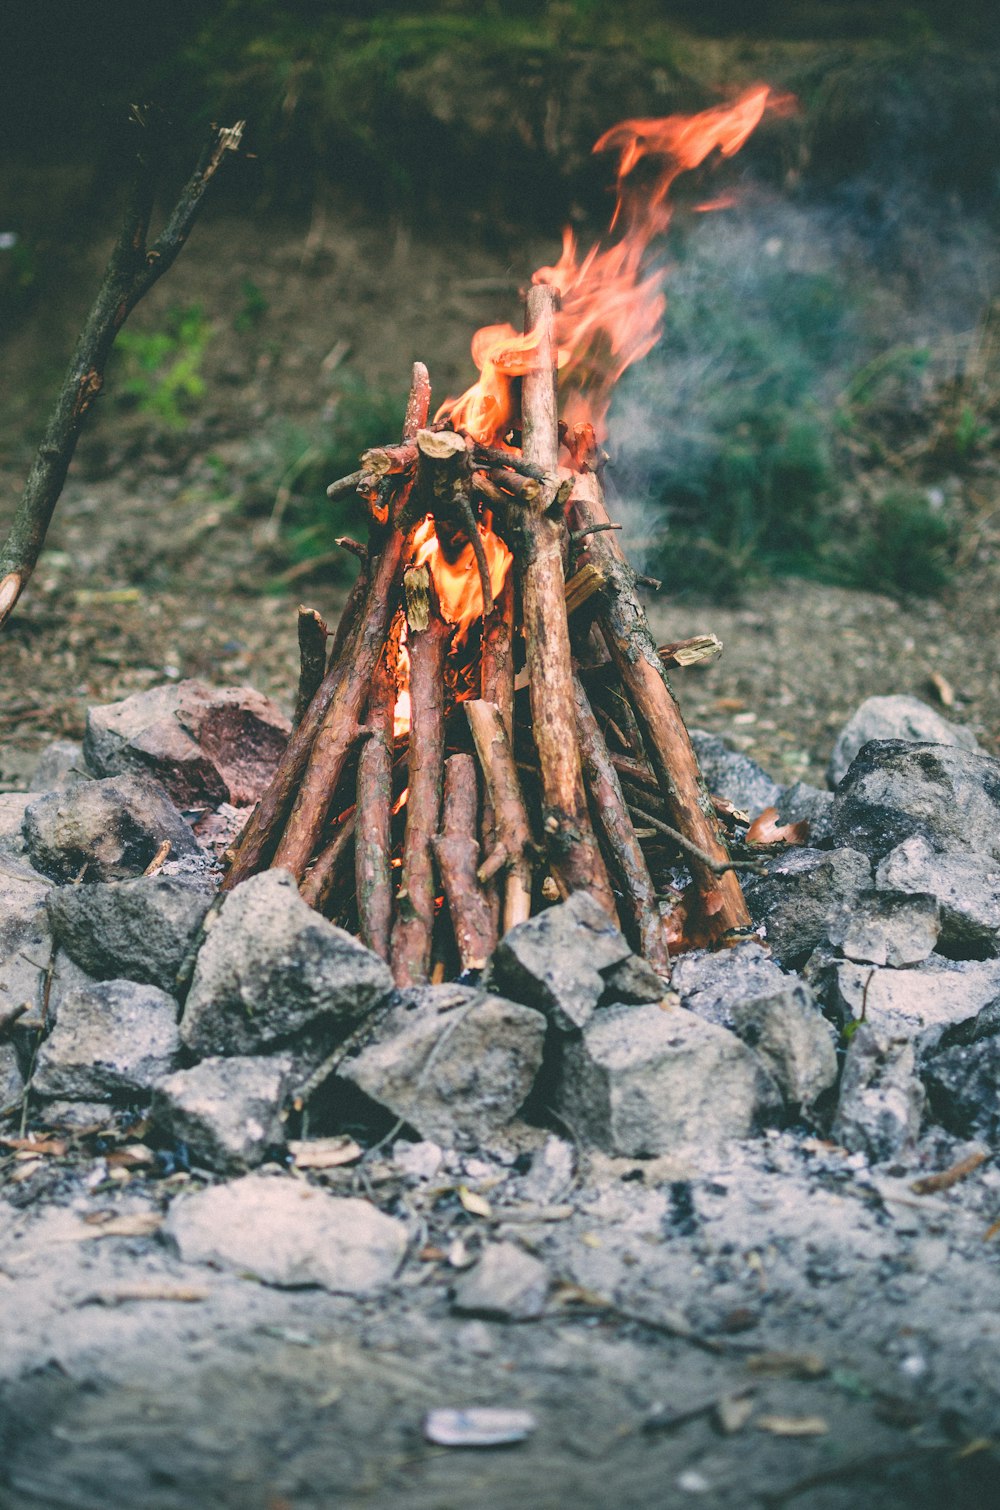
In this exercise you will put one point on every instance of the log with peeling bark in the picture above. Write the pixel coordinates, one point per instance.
(313, 635)
(515, 850)
(302, 787)
(625, 856)
(668, 744)
(373, 844)
(457, 851)
(573, 851)
(428, 638)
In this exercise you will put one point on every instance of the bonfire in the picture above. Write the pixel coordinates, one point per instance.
(493, 727)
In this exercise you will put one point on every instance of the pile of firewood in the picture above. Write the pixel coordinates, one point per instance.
(541, 752)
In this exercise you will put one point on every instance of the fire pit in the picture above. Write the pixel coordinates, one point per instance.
(494, 728)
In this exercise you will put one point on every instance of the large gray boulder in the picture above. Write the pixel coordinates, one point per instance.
(112, 1038)
(733, 776)
(454, 1062)
(896, 791)
(937, 1003)
(206, 745)
(881, 1097)
(888, 928)
(805, 893)
(647, 1080)
(285, 1232)
(965, 886)
(270, 967)
(104, 830)
(137, 930)
(963, 1085)
(897, 717)
(561, 961)
(227, 1111)
(25, 941)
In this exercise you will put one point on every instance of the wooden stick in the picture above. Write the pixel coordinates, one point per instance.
(444, 481)
(497, 685)
(573, 851)
(313, 635)
(496, 761)
(692, 651)
(526, 490)
(385, 461)
(345, 485)
(428, 638)
(582, 586)
(614, 825)
(641, 670)
(496, 456)
(318, 885)
(131, 272)
(373, 845)
(457, 853)
(334, 710)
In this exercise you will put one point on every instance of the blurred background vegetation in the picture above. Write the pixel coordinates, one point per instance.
(827, 392)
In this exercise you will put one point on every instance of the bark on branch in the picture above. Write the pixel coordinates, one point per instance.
(131, 272)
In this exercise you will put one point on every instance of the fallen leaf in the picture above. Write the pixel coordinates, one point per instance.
(765, 830)
(138, 1224)
(325, 1153)
(732, 1413)
(132, 1156)
(793, 1426)
(475, 1205)
(53, 1146)
(787, 1365)
(728, 705)
(25, 1171)
(945, 1178)
(943, 688)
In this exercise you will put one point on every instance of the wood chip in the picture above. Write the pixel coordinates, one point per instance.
(125, 1294)
(778, 1365)
(137, 1224)
(946, 1178)
(52, 1146)
(475, 1204)
(793, 1426)
(943, 689)
(325, 1153)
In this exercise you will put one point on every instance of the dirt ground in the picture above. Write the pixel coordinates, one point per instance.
(259, 1399)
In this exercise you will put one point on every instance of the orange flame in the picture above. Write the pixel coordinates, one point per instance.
(612, 305)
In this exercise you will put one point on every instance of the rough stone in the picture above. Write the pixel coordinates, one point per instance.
(804, 803)
(557, 961)
(112, 1038)
(59, 765)
(804, 894)
(888, 928)
(963, 1085)
(11, 1079)
(288, 1233)
(734, 776)
(966, 887)
(75, 1115)
(270, 966)
(507, 1284)
(896, 718)
(206, 745)
(108, 830)
(938, 1003)
(551, 1174)
(895, 791)
(453, 1062)
(711, 984)
(881, 1098)
(12, 808)
(789, 1033)
(641, 1081)
(227, 1111)
(25, 943)
(633, 981)
(138, 930)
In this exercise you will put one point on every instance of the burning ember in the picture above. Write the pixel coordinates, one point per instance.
(482, 787)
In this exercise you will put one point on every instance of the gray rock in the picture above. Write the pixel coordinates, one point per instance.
(734, 776)
(11, 1079)
(288, 1233)
(228, 1111)
(896, 718)
(12, 809)
(76, 1115)
(888, 928)
(113, 1037)
(206, 745)
(804, 803)
(711, 984)
(551, 1174)
(633, 981)
(454, 1062)
(558, 960)
(25, 942)
(59, 765)
(137, 930)
(789, 1033)
(270, 966)
(641, 1081)
(966, 887)
(108, 830)
(937, 1003)
(507, 1284)
(881, 1098)
(896, 791)
(963, 1085)
(804, 894)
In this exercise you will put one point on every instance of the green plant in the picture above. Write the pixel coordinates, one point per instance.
(161, 369)
(905, 546)
(253, 309)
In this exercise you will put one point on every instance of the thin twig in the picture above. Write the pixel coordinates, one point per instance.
(717, 867)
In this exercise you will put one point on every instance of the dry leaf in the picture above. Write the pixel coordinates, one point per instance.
(52, 1146)
(793, 1426)
(138, 1224)
(132, 1156)
(787, 1365)
(765, 830)
(943, 688)
(123, 1294)
(474, 1204)
(325, 1153)
(732, 1412)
